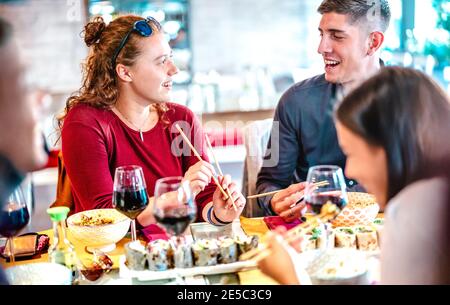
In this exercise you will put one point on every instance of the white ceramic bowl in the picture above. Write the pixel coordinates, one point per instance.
(336, 267)
(102, 236)
(39, 274)
(361, 210)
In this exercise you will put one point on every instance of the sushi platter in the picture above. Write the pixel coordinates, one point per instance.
(148, 275)
(362, 238)
(199, 254)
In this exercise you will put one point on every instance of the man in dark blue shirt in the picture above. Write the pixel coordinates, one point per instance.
(21, 142)
(352, 33)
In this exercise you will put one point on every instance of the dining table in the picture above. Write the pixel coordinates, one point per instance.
(258, 226)
(243, 225)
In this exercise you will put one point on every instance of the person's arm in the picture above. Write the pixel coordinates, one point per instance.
(283, 263)
(413, 235)
(211, 205)
(86, 160)
(279, 176)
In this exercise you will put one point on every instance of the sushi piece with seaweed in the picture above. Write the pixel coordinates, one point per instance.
(159, 255)
(205, 252)
(228, 252)
(136, 255)
(182, 254)
(246, 243)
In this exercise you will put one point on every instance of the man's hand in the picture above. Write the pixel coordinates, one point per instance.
(282, 201)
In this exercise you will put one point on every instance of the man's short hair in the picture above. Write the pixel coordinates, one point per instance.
(377, 13)
(5, 31)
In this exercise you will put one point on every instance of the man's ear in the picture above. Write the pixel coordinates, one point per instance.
(124, 73)
(376, 40)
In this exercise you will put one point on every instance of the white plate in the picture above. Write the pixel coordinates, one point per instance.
(148, 275)
(39, 274)
(351, 265)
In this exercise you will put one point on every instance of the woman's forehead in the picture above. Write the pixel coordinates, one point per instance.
(155, 45)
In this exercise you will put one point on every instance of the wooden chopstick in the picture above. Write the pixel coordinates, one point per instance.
(200, 159)
(317, 184)
(262, 252)
(220, 170)
(263, 194)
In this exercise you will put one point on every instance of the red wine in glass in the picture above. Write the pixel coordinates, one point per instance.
(315, 201)
(130, 202)
(13, 220)
(174, 208)
(130, 193)
(325, 184)
(176, 221)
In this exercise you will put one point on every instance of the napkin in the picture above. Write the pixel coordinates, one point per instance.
(153, 232)
(273, 222)
(26, 246)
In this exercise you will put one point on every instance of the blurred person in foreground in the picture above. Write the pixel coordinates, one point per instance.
(394, 131)
(351, 38)
(21, 141)
(123, 115)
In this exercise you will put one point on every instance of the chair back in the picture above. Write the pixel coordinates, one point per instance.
(256, 136)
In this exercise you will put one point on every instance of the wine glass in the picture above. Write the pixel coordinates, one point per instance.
(130, 193)
(14, 217)
(174, 208)
(332, 190)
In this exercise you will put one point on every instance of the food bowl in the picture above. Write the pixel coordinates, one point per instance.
(361, 210)
(39, 274)
(336, 267)
(98, 229)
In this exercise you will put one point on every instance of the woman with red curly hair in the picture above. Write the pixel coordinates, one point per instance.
(122, 115)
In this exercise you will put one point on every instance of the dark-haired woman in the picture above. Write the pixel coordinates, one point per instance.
(394, 132)
(122, 115)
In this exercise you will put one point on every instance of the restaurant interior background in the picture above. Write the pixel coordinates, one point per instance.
(236, 58)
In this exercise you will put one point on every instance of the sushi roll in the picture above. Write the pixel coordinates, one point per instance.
(331, 236)
(366, 238)
(182, 255)
(345, 238)
(136, 255)
(159, 255)
(378, 224)
(205, 252)
(228, 252)
(246, 243)
(309, 242)
(320, 235)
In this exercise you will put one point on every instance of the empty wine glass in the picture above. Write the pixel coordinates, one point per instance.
(14, 216)
(333, 190)
(130, 193)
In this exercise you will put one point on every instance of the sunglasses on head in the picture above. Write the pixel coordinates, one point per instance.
(143, 28)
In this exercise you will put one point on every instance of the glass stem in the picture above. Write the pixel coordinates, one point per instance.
(133, 230)
(11, 250)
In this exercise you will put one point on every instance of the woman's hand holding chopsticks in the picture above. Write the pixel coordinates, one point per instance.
(226, 210)
(199, 176)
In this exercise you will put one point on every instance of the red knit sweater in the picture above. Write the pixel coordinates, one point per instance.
(96, 141)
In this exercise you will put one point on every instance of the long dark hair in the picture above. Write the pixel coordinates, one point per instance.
(5, 32)
(407, 114)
